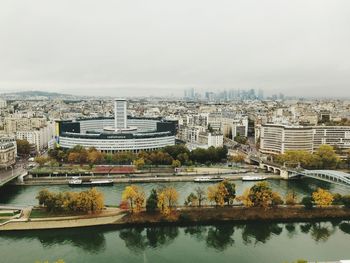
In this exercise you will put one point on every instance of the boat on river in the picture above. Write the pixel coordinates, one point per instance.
(253, 178)
(208, 179)
(76, 181)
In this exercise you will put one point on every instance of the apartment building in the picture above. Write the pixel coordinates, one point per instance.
(14, 124)
(276, 139)
(8, 152)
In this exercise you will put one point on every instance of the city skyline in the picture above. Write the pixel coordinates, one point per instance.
(298, 48)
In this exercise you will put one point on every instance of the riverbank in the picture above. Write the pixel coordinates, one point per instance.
(208, 215)
(182, 216)
(140, 179)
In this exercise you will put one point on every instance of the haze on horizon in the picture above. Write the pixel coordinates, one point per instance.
(157, 47)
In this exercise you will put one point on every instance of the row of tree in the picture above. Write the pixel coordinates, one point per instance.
(324, 198)
(324, 158)
(224, 193)
(163, 199)
(171, 155)
(90, 201)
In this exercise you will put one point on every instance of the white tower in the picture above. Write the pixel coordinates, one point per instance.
(120, 121)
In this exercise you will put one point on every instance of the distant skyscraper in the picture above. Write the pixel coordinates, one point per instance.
(260, 94)
(189, 94)
(120, 121)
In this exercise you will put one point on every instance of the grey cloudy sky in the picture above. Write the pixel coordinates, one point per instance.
(151, 47)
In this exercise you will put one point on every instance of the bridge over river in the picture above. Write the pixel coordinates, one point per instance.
(285, 172)
(11, 174)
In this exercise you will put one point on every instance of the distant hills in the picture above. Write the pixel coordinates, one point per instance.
(38, 95)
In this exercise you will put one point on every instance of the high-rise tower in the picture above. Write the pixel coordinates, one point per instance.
(120, 120)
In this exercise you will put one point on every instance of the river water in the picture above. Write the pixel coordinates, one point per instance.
(258, 242)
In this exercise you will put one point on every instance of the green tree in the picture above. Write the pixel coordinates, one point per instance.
(175, 163)
(307, 202)
(201, 196)
(152, 200)
(23, 147)
(346, 201)
(329, 159)
(191, 200)
(231, 192)
(41, 160)
(241, 139)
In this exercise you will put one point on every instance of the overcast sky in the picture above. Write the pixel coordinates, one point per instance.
(160, 47)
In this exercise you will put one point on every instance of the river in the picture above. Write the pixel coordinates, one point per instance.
(258, 242)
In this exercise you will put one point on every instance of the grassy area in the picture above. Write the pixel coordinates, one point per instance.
(6, 214)
(3, 220)
(41, 213)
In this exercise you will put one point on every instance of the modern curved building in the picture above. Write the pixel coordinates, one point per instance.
(121, 133)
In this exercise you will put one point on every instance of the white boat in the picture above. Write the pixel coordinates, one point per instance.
(208, 179)
(253, 178)
(80, 182)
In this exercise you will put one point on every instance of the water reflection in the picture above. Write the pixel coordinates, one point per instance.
(220, 237)
(260, 232)
(90, 240)
(345, 227)
(138, 239)
(320, 231)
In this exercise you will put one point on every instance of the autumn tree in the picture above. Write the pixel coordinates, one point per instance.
(237, 158)
(291, 198)
(167, 198)
(94, 157)
(41, 160)
(86, 201)
(276, 199)
(73, 157)
(245, 198)
(322, 197)
(135, 196)
(139, 163)
(217, 194)
(77, 154)
(124, 157)
(261, 195)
